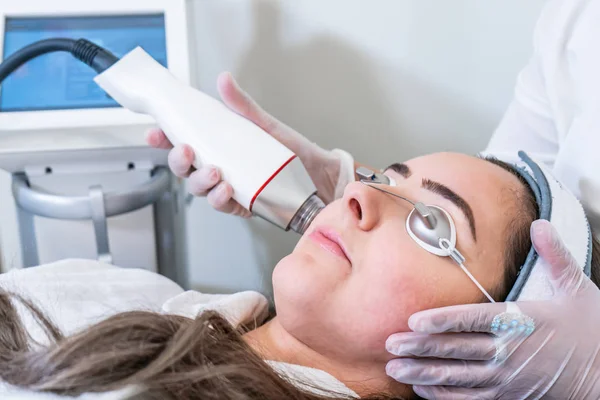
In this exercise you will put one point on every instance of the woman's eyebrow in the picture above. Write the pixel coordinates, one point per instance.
(452, 196)
(442, 190)
(400, 168)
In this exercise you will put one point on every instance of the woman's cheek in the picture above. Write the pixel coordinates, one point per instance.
(297, 277)
(407, 280)
(305, 281)
(394, 287)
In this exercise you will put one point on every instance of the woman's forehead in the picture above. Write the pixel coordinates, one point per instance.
(467, 175)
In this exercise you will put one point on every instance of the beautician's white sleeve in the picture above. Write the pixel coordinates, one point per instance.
(555, 114)
(529, 123)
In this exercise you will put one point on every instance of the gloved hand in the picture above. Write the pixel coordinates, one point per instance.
(330, 171)
(454, 350)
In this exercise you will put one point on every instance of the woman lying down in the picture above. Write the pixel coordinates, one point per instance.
(354, 278)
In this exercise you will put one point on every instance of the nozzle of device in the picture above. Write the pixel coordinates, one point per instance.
(267, 178)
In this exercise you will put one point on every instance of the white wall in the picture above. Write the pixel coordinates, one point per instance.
(385, 80)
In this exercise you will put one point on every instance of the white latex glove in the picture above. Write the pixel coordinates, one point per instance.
(330, 171)
(452, 349)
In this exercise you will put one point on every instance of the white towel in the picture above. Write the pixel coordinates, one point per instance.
(239, 308)
(569, 219)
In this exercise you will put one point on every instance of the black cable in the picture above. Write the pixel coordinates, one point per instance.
(87, 52)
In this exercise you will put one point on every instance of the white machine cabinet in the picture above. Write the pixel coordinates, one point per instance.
(84, 184)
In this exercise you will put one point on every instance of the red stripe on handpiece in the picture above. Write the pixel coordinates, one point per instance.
(269, 180)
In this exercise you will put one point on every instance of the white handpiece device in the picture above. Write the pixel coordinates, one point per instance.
(267, 178)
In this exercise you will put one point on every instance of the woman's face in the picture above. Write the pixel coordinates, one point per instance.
(344, 299)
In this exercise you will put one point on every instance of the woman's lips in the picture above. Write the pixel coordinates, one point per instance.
(330, 241)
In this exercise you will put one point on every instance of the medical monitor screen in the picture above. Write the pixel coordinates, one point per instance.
(58, 81)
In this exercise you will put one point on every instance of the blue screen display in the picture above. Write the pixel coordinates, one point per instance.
(57, 81)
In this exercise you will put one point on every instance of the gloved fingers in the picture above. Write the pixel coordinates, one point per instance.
(566, 276)
(203, 180)
(454, 393)
(440, 372)
(181, 159)
(459, 346)
(156, 138)
(234, 208)
(462, 318)
(242, 103)
(220, 198)
(239, 101)
(241, 211)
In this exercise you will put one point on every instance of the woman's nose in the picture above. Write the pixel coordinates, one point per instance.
(364, 205)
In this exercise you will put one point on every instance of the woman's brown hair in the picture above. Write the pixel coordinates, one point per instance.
(166, 356)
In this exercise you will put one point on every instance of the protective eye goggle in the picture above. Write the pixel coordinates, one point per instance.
(430, 226)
